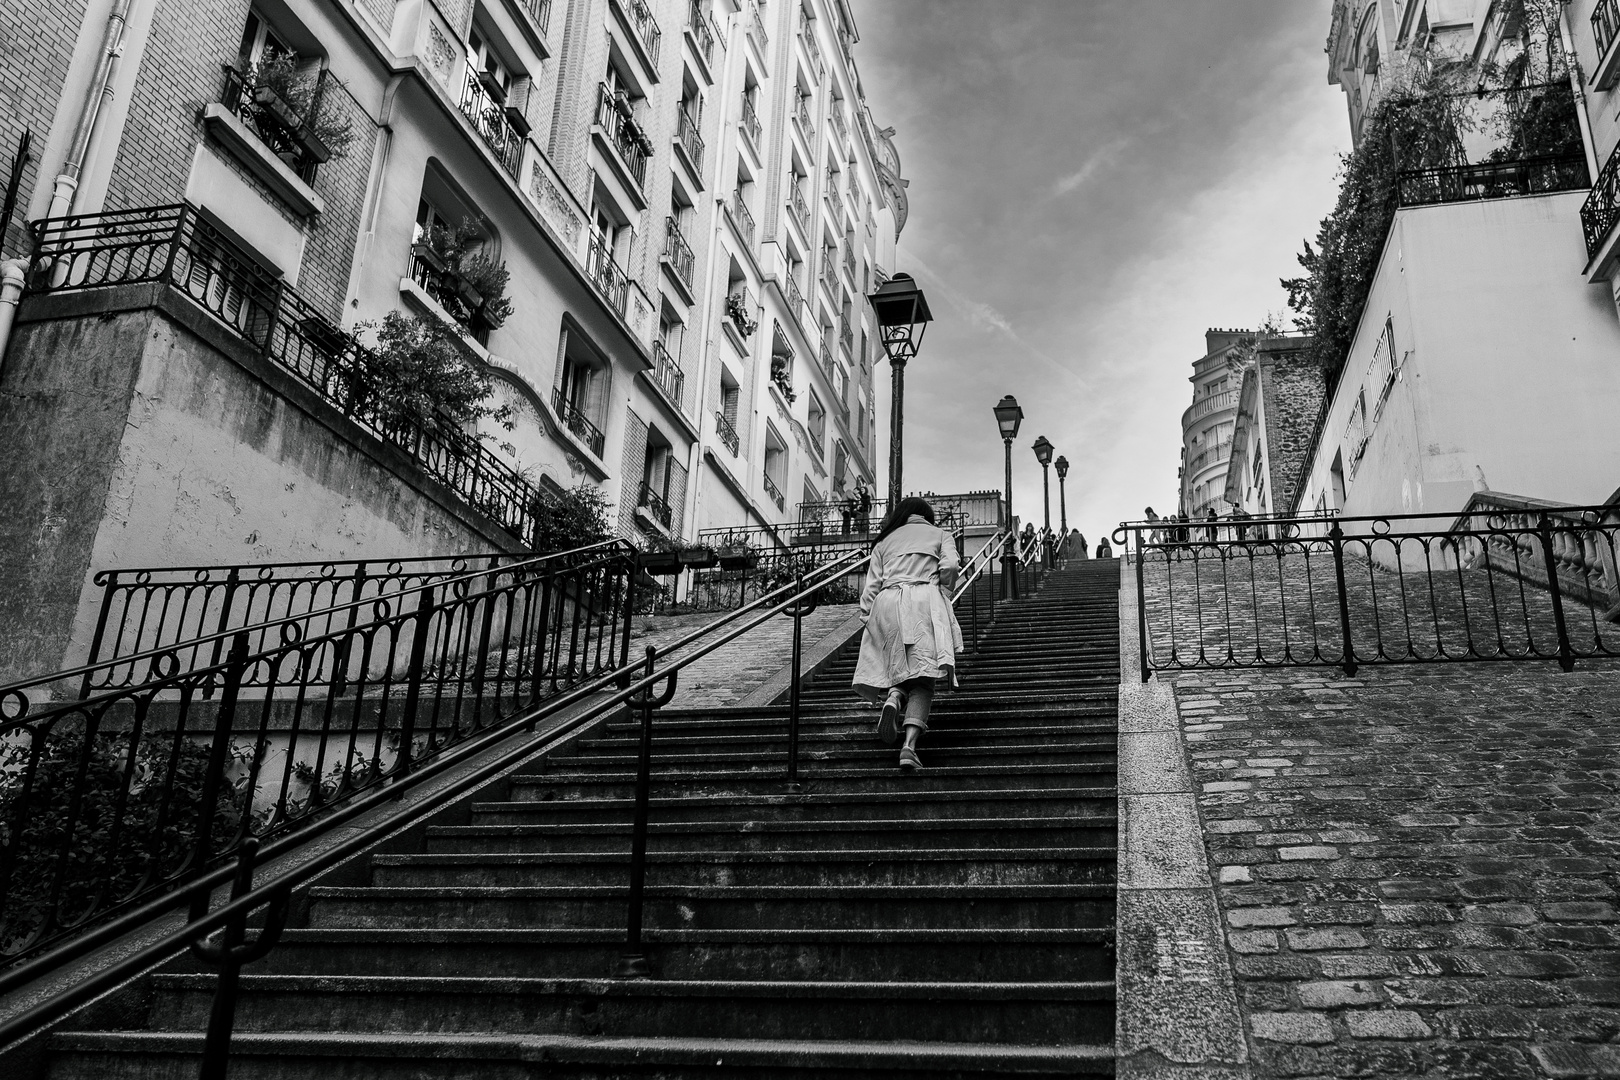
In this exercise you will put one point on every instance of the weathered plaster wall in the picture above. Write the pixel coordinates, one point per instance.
(130, 440)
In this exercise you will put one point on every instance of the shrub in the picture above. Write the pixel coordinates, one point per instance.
(423, 376)
(280, 73)
(570, 519)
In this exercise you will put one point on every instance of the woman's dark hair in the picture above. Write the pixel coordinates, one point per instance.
(903, 512)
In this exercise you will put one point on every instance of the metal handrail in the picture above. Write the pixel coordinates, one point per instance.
(1602, 207)
(646, 27)
(728, 432)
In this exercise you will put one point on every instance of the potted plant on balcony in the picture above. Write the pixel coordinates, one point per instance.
(661, 557)
(471, 285)
(418, 375)
(736, 553)
(782, 377)
(294, 101)
(699, 557)
(737, 312)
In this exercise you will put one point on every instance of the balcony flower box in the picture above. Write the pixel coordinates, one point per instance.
(621, 103)
(315, 146)
(739, 560)
(278, 109)
(699, 558)
(468, 294)
(428, 254)
(492, 86)
(517, 121)
(660, 563)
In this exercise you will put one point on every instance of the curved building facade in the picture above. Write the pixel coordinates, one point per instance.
(1207, 424)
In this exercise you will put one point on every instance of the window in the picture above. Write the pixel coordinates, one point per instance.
(817, 424)
(1216, 386)
(860, 423)
(493, 73)
(260, 43)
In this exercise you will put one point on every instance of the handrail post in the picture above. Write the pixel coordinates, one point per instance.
(224, 722)
(1566, 657)
(633, 962)
(222, 1016)
(485, 629)
(1336, 537)
(1141, 603)
(801, 607)
(101, 629)
(632, 570)
(413, 688)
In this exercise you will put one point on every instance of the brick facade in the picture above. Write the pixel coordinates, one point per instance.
(36, 45)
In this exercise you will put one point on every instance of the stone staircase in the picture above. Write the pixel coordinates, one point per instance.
(953, 923)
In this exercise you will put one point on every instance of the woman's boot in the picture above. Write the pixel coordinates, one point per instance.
(888, 725)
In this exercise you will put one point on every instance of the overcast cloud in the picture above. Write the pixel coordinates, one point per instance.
(1093, 183)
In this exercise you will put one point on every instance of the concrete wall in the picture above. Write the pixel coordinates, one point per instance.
(135, 432)
(1509, 364)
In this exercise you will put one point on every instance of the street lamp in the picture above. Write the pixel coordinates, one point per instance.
(1008, 417)
(1043, 454)
(902, 316)
(1062, 466)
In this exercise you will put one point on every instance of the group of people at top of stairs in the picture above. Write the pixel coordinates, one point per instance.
(1074, 547)
(911, 635)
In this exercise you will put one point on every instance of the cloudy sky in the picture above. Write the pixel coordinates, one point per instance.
(1093, 184)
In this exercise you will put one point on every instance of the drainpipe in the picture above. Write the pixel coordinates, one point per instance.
(101, 92)
(11, 286)
(1575, 81)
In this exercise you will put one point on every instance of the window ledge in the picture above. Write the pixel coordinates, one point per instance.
(650, 524)
(228, 130)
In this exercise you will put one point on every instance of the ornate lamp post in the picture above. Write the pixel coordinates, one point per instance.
(902, 316)
(1062, 466)
(1043, 454)
(1008, 417)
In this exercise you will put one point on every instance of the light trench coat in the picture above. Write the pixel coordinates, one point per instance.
(911, 631)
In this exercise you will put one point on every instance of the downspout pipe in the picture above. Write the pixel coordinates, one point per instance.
(11, 287)
(101, 91)
(1576, 78)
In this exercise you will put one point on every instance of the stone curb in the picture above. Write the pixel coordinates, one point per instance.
(814, 658)
(1177, 1007)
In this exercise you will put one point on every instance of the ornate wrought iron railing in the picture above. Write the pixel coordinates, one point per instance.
(1501, 582)
(575, 420)
(751, 126)
(1605, 25)
(677, 251)
(284, 132)
(1601, 209)
(701, 31)
(829, 268)
(119, 795)
(645, 26)
(1493, 180)
(655, 504)
(795, 298)
(488, 118)
(799, 207)
(426, 270)
(727, 431)
(540, 12)
(611, 280)
(668, 375)
(756, 26)
(686, 135)
(807, 34)
(801, 116)
(743, 217)
(176, 246)
(613, 117)
(773, 491)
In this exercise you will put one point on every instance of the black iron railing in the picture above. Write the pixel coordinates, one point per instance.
(613, 117)
(687, 137)
(1493, 180)
(575, 420)
(1499, 583)
(1601, 209)
(744, 218)
(1605, 25)
(488, 117)
(655, 504)
(668, 375)
(801, 116)
(756, 26)
(176, 246)
(701, 32)
(113, 796)
(799, 207)
(611, 280)
(750, 124)
(428, 270)
(727, 431)
(773, 491)
(645, 26)
(287, 134)
(678, 251)
(540, 12)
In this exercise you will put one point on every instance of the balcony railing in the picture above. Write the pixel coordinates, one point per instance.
(668, 374)
(743, 217)
(807, 34)
(849, 259)
(840, 127)
(1214, 455)
(1493, 180)
(540, 12)
(756, 26)
(750, 123)
(489, 118)
(686, 133)
(610, 279)
(701, 33)
(829, 269)
(1210, 403)
(728, 432)
(575, 420)
(774, 492)
(846, 333)
(1602, 208)
(1605, 25)
(678, 251)
(646, 27)
(655, 504)
(795, 298)
(441, 285)
(175, 246)
(285, 133)
(625, 135)
(801, 117)
(799, 207)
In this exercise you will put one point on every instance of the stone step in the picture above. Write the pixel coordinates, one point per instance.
(528, 830)
(1092, 803)
(720, 907)
(977, 955)
(768, 779)
(868, 752)
(297, 1056)
(943, 731)
(1011, 1012)
(826, 866)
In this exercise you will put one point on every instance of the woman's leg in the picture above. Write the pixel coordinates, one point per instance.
(919, 698)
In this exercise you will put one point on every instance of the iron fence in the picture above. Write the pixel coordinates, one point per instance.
(1602, 207)
(176, 246)
(1505, 580)
(488, 117)
(116, 795)
(1493, 180)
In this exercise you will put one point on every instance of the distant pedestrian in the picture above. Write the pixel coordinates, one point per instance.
(1241, 517)
(1103, 550)
(1077, 545)
(1212, 517)
(863, 505)
(911, 636)
(1154, 536)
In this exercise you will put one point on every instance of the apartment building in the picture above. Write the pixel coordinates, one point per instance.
(1206, 424)
(1280, 396)
(1483, 358)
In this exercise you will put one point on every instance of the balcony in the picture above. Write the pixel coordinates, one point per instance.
(703, 35)
(691, 144)
(610, 280)
(799, 208)
(744, 219)
(540, 12)
(807, 34)
(678, 252)
(1213, 456)
(1212, 403)
(840, 127)
(756, 27)
(281, 131)
(727, 432)
(655, 504)
(1601, 210)
(613, 117)
(1605, 24)
(795, 298)
(668, 374)
(428, 270)
(829, 269)
(846, 334)
(773, 491)
(801, 117)
(646, 28)
(751, 127)
(488, 117)
(575, 420)
(849, 259)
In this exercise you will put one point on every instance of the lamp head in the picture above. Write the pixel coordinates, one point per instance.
(1008, 417)
(1062, 467)
(902, 316)
(1043, 451)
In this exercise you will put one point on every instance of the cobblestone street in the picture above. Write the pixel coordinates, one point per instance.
(1417, 868)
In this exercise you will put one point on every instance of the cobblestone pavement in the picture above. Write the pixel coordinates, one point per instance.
(1418, 868)
(726, 675)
